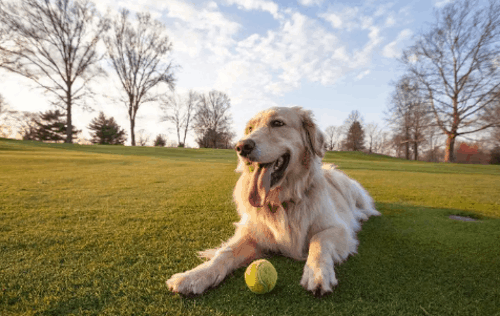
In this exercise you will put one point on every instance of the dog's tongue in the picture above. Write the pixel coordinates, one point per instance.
(260, 185)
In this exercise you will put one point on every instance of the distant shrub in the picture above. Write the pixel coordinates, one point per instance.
(495, 156)
(160, 141)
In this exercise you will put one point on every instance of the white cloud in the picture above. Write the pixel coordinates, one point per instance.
(212, 5)
(346, 18)
(261, 5)
(390, 21)
(308, 3)
(301, 49)
(392, 50)
(363, 74)
(363, 17)
(296, 51)
(382, 9)
(256, 69)
(196, 29)
(441, 3)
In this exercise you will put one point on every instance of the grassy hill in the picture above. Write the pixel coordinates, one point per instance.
(97, 230)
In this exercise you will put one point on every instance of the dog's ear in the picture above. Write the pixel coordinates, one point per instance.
(314, 137)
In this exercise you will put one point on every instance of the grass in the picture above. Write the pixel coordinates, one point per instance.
(97, 230)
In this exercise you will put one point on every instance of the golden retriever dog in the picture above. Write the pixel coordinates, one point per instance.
(289, 203)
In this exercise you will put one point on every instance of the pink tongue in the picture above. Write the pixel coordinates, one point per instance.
(259, 186)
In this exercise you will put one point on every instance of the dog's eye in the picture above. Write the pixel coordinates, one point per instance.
(277, 123)
(249, 129)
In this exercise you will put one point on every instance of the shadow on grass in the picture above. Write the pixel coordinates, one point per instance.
(411, 261)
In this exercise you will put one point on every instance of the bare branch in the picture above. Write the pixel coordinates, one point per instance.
(53, 43)
(136, 53)
(457, 62)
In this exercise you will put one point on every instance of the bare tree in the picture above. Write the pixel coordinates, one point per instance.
(354, 116)
(4, 38)
(334, 136)
(54, 44)
(384, 143)
(492, 116)
(26, 124)
(143, 137)
(330, 134)
(182, 110)
(212, 119)
(433, 135)
(137, 53)
(6, 115)
(5, 110)
(408, 114)
(371, 130)
(457, 63)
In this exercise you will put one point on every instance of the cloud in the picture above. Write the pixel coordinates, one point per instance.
(441, 3)
(390, 21)
(300, 49)
(197, 29)
(392, 50)
(363, 17)
(309, 3)
(296, 51)
(346, 18)
(363, 74)
(255, 69)
(261, 5)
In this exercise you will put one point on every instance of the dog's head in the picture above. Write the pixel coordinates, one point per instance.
(279, 143)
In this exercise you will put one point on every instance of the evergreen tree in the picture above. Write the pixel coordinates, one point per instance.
(51, 126)
(355, 137)
(106, 131)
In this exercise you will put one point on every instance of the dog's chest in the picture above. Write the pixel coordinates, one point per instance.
(277, 231)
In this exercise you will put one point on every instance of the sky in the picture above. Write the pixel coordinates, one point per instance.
(330, 57)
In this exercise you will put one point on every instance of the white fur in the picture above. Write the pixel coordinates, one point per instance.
(323, 211)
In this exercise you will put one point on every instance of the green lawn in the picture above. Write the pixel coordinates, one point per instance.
(97, 230)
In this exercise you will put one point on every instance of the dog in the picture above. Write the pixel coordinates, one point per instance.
(288, 203)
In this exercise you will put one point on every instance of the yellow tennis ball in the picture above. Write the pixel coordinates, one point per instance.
(261, 276)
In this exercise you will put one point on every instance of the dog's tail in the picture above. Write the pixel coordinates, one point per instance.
(365, 207)
(362, 204)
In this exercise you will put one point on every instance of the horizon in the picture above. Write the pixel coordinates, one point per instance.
(328, 57)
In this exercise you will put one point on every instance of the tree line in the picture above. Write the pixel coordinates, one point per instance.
(55, 44)
(450, 87)
(451, 83)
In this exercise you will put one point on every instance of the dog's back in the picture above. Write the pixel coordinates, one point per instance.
(359, 202)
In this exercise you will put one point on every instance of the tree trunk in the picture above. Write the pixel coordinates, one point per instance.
(132, 134)
(69, 123)
(449, 155)
(184, 140)
(178, 136)
(415, 150)
(407, 148)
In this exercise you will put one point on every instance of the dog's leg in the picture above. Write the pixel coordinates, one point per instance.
(325, 248)
(236, 252)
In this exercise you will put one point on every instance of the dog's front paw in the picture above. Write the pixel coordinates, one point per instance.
(189, 282)
(196, 281)
(318, 279)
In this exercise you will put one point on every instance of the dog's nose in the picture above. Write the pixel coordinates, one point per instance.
(245, 147)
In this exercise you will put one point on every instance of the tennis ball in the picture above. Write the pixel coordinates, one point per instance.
(261, 276)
